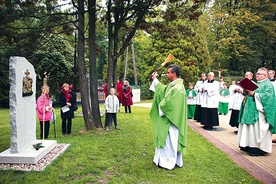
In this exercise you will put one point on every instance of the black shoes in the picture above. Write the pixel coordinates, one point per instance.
(254, 152)
(207, 127)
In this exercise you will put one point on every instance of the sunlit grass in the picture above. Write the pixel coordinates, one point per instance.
(124, 156)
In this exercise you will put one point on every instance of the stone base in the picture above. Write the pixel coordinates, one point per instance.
(29, 155)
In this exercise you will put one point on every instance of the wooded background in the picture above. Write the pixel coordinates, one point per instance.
(100, 38)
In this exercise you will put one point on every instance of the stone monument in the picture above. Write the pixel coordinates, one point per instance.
(23, 116)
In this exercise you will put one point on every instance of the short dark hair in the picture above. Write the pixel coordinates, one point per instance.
(175, 68)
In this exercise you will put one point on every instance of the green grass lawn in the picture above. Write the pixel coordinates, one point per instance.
(123, 156)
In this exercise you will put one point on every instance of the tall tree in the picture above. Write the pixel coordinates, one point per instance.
(84, 87)
(92, 61)
(124, 18)
(26, 28)
(174, 33)
(244, 38)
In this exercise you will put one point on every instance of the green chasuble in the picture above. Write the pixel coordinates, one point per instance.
(172, 101)
(249, 112)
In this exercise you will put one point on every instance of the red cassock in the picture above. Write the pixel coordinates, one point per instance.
(119, 91)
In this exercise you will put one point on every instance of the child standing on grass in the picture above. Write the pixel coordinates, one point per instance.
(112, 107)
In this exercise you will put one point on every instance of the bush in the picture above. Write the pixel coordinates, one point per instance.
(145, 92)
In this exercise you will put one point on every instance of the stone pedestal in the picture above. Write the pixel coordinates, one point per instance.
(29, 155)
(23, 115)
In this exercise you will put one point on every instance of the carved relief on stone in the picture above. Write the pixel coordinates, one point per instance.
(27, 84)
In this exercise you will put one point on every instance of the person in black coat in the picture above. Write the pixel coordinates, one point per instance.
(67, 100)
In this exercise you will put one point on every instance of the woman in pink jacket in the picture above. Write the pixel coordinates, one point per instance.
(44, 111)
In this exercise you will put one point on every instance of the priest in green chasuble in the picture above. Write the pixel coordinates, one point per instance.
(169, 119)
(257, 119)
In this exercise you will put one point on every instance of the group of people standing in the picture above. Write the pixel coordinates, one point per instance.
(45, 110)
(252, 112)
(208, 93)
(67, 101)
(113, 101)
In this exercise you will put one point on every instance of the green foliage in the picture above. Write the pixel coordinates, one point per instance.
(33, 30)
(145, 92)
(176, 35)
(124, 156)
(240, 34)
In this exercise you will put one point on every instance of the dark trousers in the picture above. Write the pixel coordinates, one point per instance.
(109, 117)
(46, 129)
(129, 109)
(66, 128)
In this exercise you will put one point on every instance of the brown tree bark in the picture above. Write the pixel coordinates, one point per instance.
(92, 62)
(88, 118)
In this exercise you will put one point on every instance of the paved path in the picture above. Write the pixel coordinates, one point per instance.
(263, 168)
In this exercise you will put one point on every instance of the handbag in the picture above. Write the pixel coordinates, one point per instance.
(75, 107)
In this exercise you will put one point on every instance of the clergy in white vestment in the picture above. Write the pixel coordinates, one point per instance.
(236, 105)
(232, 88)
(257, 117)
(199, 94)
(237, 101)
(209, 116)
(169, 118)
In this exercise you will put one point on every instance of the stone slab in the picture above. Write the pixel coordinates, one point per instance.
(22, 108)
(28, 155)
(136, 95)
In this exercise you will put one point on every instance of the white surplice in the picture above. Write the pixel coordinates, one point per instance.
(256, 135)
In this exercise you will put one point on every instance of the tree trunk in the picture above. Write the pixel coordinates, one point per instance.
(125, 73)
(92, 61)
(134, 65)
(110, 64)
(88, 119)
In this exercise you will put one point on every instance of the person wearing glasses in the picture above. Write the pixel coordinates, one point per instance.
(257, 117)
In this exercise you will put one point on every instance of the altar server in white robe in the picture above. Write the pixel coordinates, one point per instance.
(209, 116)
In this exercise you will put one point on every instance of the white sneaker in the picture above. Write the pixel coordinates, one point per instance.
(106, 129)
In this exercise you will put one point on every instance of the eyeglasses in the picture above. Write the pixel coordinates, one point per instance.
(260, 74)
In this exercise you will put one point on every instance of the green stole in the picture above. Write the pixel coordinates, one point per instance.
(249, 112)
(172, 101)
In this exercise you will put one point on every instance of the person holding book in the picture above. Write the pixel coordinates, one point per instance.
(240, 97)
(257, 117)
(67, 99)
